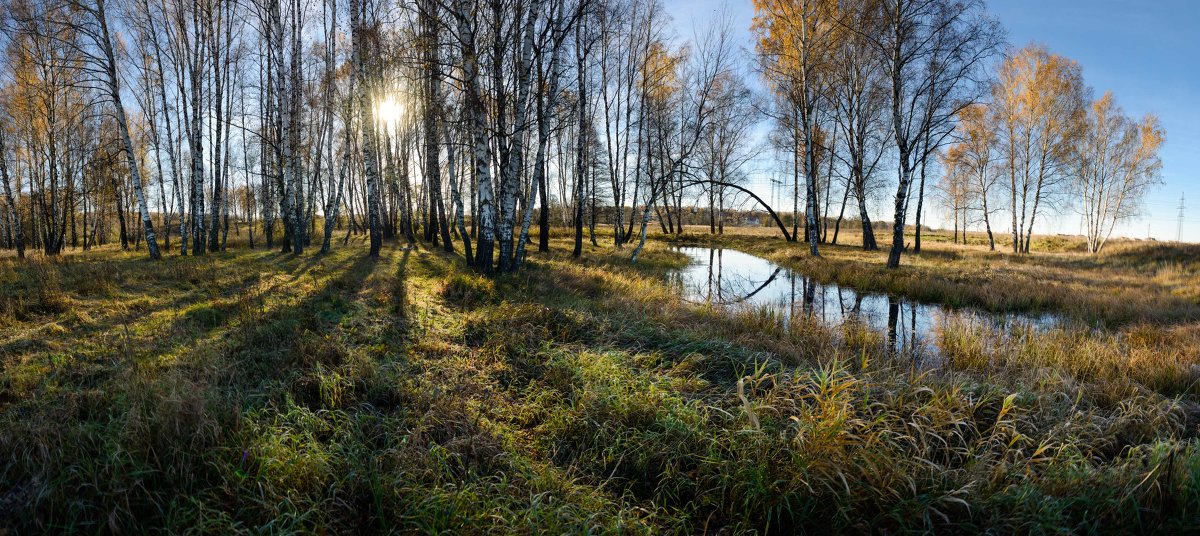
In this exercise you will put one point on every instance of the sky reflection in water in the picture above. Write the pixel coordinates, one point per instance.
(731, 278)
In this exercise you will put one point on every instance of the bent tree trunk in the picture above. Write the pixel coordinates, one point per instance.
(778, 222)
(646, 211)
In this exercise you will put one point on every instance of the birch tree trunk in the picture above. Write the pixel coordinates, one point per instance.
(544, 103)
(580, 142)
(295, 98)
(455, 193)
(10, 201)
(367, 114)
(433, 106)
(114, 90)
(215, 49)
(477, 123)
(197, 137)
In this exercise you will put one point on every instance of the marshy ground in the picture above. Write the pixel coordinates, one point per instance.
(261, 392)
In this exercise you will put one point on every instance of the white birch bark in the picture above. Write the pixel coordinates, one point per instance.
(114, 90)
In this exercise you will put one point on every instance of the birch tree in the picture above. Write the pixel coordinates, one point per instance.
(955, 187)
(726, 150)
(976, 154)
(860, 99)
(10, 199)
(476, 115)
(1117, 163)
(360, 82)
(98, 29)
(546, 102)
(1038, 107)
(933, 53)
(678, 143)
(795, 44)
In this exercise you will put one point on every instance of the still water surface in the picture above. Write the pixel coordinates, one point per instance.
(732, 279)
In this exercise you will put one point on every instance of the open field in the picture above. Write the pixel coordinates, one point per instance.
(254, 391)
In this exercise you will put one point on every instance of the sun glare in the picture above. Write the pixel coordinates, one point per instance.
(390, 110)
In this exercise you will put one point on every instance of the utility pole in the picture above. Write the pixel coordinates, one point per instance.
(1179, 224)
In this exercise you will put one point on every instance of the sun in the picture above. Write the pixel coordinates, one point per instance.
(390, 110)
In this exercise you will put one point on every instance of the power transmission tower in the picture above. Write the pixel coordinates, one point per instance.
(1179, 224)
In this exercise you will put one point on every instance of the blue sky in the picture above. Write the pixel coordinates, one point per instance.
(1147, 52)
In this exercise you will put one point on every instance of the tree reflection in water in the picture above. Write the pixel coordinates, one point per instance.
(733, 279)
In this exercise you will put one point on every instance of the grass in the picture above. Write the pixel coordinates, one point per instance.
(251, 391)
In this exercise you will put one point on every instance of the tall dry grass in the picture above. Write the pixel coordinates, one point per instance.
(251, 391)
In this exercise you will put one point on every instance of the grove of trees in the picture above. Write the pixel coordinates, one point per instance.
(475, 124)
(1040, 144)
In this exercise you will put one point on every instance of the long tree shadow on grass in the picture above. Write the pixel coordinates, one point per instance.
(85, 348)
(283, 341)
(153, 430)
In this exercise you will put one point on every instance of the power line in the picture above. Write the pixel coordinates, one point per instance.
(1179, 224)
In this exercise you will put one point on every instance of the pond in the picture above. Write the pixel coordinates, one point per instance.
(732, 279)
